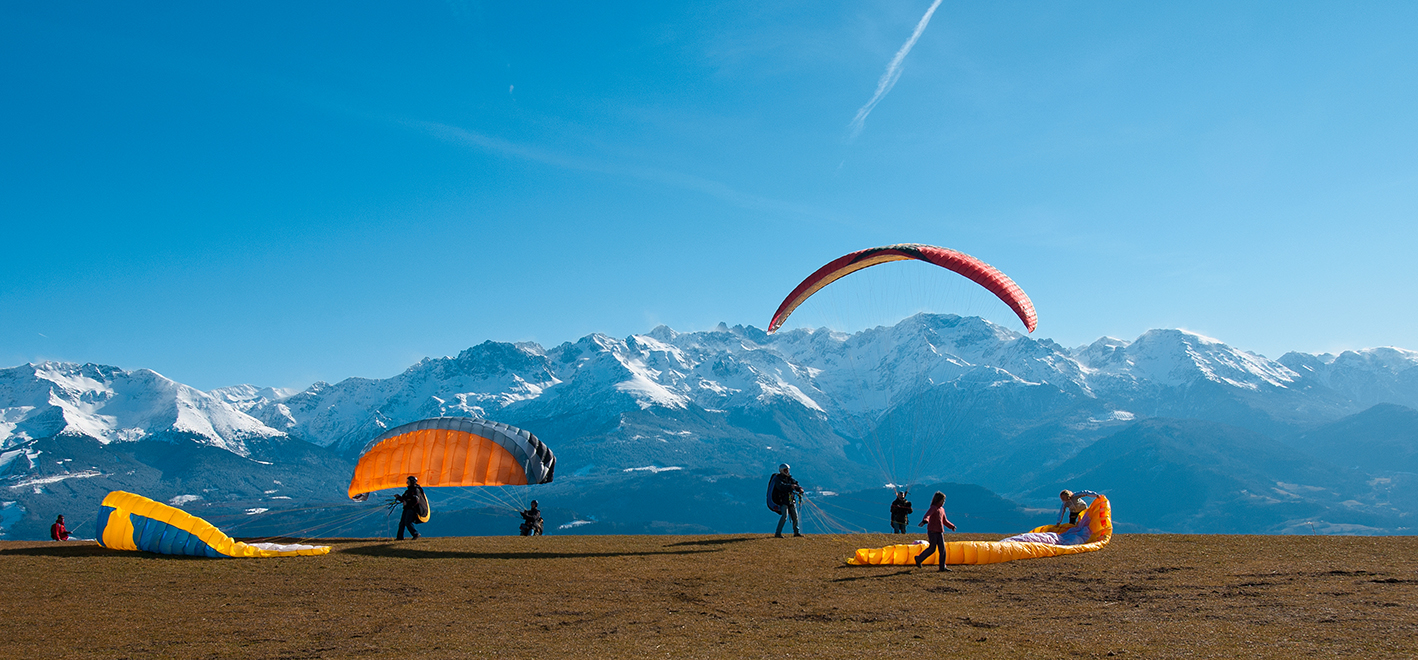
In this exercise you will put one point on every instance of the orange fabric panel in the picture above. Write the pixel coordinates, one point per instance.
(437, 458)
(437, 452)
(457, 461)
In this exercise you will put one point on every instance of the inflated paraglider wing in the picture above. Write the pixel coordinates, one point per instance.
(133, 522)
(452, 451)
(1098, 518)
(978, 271)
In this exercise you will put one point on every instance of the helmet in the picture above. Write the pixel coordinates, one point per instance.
(783, 467)
(534, 504)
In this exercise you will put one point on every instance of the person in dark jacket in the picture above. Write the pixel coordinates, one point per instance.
(900, 511)
(57, 531)
(412, 499)
(785, 494)
(532, 521)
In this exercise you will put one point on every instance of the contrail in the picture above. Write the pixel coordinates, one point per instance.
(893, 71)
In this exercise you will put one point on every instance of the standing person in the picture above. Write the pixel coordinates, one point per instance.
(57, 531)
(414, 502)
(532, 521)
(1073, 504)
(900, 511)
(935, 522)
(783, 489)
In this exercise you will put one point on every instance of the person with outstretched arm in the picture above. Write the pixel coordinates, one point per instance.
(57, 531)
(935, 523)
(412, 499)
(1073, 504)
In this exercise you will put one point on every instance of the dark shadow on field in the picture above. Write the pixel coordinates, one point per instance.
(400, 552)
(740, 539)
(63, 549)
(877, 576)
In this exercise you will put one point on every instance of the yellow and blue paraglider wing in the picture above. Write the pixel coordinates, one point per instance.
(1098, 519)
(133, 522)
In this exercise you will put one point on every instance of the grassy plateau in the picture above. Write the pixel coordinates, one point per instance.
(737, 596)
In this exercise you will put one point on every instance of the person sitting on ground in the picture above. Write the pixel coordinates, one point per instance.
(413, 502)
(532, 521)
(935, 522)
(1073, 504)
(57, 531)
(900, 512)
(785, 494)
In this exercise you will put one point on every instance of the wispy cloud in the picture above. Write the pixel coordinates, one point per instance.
(893, 72)
(506, 148)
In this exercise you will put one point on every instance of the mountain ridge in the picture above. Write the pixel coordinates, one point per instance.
(934, 398)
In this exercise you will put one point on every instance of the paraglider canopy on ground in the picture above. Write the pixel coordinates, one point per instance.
(133, 522)
(1098, 519)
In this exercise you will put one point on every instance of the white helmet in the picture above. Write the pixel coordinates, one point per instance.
(783, 468)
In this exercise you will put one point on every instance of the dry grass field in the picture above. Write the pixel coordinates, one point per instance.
(1145, 596)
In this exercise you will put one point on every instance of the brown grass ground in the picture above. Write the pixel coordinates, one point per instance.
(1144, 596)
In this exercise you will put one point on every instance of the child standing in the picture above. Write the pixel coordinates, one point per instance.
(935, 523)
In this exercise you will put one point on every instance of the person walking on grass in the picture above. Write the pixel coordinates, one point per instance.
(414, 505)
(935, 523)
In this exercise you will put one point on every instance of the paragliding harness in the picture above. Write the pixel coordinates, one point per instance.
(783, 490)
(531, 522)
(424, 512)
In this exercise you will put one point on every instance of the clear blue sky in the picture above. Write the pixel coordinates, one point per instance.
(278, 194)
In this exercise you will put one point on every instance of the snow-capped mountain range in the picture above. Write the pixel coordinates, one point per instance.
(1001, 408)
(113, 405)
(830, 374)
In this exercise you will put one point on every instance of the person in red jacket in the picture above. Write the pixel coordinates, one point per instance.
(935, 522)
(57, 530)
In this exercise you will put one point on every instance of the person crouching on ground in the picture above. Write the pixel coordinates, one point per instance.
(532, 521)
(935, 522)
(900, 512)
(57, 531)
(1073, 504)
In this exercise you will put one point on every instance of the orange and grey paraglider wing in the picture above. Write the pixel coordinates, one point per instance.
(977, 271)
(452, 451)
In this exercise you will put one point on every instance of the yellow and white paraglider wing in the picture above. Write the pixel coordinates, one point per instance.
(133, 522)
(452, 451)
(1098, 518)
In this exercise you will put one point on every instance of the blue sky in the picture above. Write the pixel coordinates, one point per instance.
(276, 195)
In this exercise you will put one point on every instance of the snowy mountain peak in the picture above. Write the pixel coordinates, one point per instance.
(1172, 357)
(245, 397)
(113, 405)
